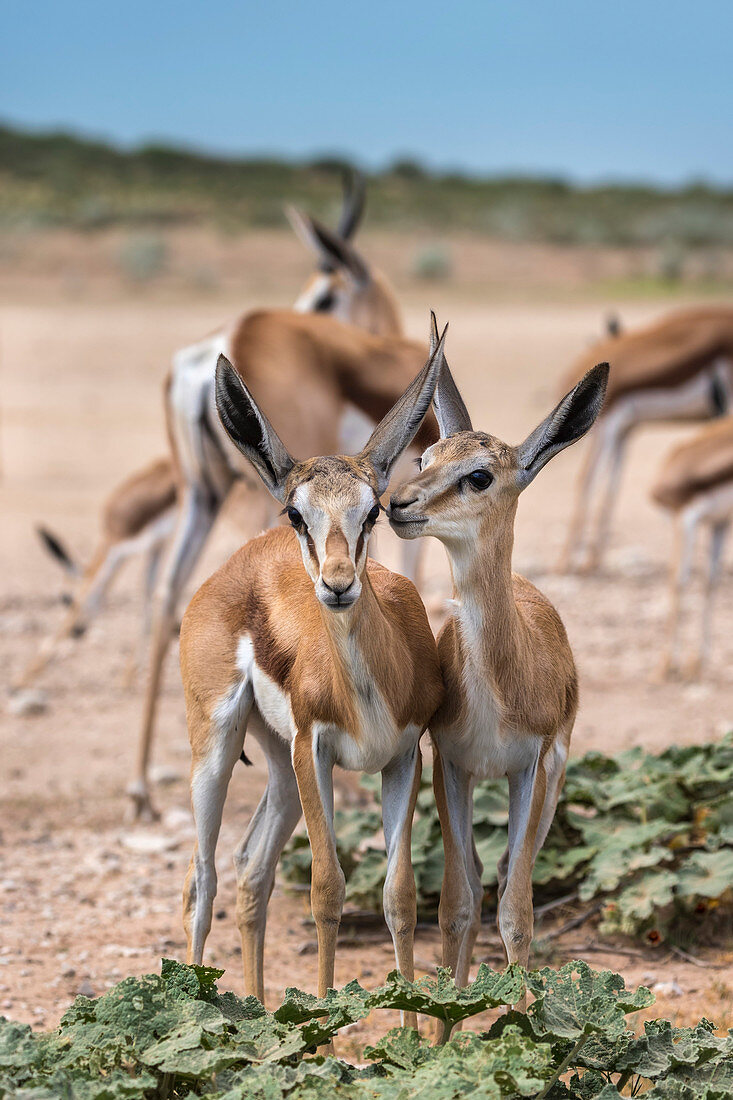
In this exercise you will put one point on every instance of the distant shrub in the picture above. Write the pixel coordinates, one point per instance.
(671, 262)
(408, 169)
(432, 262)
(143, 256)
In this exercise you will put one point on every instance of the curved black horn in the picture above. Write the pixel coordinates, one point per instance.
(352, 210)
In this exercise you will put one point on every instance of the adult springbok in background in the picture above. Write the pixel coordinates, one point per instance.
(138, 517)
(676, 369)
(511, 690)
(695, 483)
(335, 655)
(311, 371)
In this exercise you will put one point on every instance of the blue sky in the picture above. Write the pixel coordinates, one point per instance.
(590, 89)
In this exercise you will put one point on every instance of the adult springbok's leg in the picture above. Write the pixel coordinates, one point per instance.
(579, 519)
(400, 786)
(196, 519)
(681, 567)
(216, 745)
(151, 569)
(598, 541)
(718, 534)
(255, 859)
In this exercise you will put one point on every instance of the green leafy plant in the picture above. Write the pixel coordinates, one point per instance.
(649, 836)
(175, 1035)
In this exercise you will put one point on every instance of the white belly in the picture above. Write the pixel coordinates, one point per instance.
(485, 752)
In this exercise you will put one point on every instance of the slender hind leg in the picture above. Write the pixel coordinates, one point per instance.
(684, 546)
(137, 656)
(400, 786)
(197, 516)
(255, 859)
(718, 534)
(216, 745)
(598, 543)
(589, 473)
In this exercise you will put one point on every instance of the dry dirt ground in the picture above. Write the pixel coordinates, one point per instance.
(86, 899)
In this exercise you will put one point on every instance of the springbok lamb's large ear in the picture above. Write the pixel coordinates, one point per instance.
(333, 252)
(250, 430)
(567, 423)
(397, 430)
(352, 210)
(450, 411)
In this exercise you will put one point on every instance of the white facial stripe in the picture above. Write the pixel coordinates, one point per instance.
(320, 520)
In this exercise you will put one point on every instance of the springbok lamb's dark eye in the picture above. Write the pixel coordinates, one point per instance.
(296, 519)
(325, 303)
(372, 517)
(479, 479)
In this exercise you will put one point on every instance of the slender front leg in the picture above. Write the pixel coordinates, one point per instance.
(314, 772)
(453, 794)
(197, 516)
(215, 750)
(400, 786)
(527, 793)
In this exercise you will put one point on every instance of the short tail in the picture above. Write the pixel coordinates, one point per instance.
(58, 551)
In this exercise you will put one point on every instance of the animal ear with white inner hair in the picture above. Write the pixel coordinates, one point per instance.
(249, 429)
(352, 210)
(567, 423)
(450, 411)
(333, 252)
(397, 430)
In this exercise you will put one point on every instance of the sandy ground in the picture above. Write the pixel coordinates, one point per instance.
(86, 899)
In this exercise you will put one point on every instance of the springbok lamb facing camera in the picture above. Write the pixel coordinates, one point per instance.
(333, 653)
(695, 483)
(510, 683)
(312, 372)
(678, 369)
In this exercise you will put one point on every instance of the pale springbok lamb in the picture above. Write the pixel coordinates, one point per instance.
(333, 653)
(511, 690)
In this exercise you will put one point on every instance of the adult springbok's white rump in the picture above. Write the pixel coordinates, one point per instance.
(311, 369)
(510, 683)
(695, 484)
(678, 369)
(138, 517)
(334, 657)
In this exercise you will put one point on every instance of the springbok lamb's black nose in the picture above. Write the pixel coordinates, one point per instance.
(395, 504)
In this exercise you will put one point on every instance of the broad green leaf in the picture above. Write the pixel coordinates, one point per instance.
(439, 997)
(706, 874)
(577, 1001)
